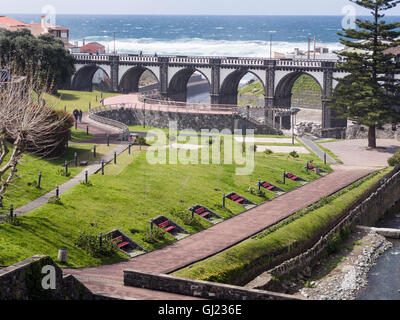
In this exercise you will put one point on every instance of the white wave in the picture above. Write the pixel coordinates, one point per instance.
(203, 47)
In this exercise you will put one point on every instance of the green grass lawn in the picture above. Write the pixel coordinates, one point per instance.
(231, 264)
(78, 135)
(329, 152)
(23, 188)
(131, 193)
(75, 99)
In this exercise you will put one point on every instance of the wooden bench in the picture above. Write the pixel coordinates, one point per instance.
(120, 242)
(165, 226)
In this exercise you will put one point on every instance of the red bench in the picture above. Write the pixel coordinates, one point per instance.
(120, 242)
(268, 186)
(202, 212)
(199, 211)
(165, 226)
(234, 197)
(291, 176)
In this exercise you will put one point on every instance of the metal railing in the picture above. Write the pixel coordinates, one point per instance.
(94, 115)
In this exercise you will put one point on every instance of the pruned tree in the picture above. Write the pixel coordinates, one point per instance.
(26, 124)
(368, 95)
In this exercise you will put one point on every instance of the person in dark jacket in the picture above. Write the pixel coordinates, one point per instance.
(80, 116)
(76, 114)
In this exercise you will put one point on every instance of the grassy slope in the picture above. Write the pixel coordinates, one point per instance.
(78, 135)
(230, 264)
(20, 193)
(119, 201)
(75, 99)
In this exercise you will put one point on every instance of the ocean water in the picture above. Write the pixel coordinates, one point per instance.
(201, 35)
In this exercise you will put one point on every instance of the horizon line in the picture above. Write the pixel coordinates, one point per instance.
(199, 15)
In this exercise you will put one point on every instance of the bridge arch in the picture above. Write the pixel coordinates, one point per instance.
(177, 87)
(83, 78)
(130, 80)
(283, 90)
(230, 86)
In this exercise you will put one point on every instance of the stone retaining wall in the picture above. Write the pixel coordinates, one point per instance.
(195, 121)
(197, 288)
(23, 281)
(367, 213)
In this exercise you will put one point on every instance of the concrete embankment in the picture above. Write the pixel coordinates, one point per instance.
(386, 232)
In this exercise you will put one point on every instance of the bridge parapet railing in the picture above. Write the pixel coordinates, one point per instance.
(190, 60)
(91, 57)
(301, 63)
(138, 58)
(243, 61)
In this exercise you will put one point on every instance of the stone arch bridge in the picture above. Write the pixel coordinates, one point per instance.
(223, 73)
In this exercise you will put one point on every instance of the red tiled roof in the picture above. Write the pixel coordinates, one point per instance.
(93, 47)
(11, 22)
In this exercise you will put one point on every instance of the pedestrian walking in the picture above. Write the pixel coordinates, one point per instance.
(76, 114)
(80, 116)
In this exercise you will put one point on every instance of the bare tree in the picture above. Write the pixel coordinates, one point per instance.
(26, 124)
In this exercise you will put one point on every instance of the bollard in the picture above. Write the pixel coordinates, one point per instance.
(259, 185)
(284, 177)
(325, 158)
(11, 211)
(101, 95)
(94, 151)
(57, 192)
(192, 214)
(65, 108)
(39, 179)
(96, 98)
(87, 130)
(307, 167)
(129, 149)
(108, 140)
(115, 157)
(86, 176)
(102, 167)
(101, 239)
(151, 226)
(223, 201)
(66, 167)
(90, 105)
(76, 159)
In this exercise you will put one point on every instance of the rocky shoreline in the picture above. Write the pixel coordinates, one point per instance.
(350, 274)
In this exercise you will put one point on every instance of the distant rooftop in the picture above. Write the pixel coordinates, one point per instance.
(10, 22)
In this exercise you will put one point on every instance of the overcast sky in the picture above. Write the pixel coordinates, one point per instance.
(210, 7)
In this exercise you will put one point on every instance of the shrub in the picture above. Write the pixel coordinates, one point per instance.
(294, 154)
(14, 220)
(140, 141)
(395, 160)
(55, 200)
(62, 172)
(155, 236)
(91, 244)
(268, 152)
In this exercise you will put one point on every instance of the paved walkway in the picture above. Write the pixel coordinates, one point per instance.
(316, 149)
(229, 233)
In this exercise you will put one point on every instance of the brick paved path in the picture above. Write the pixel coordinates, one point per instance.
(224, 235)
